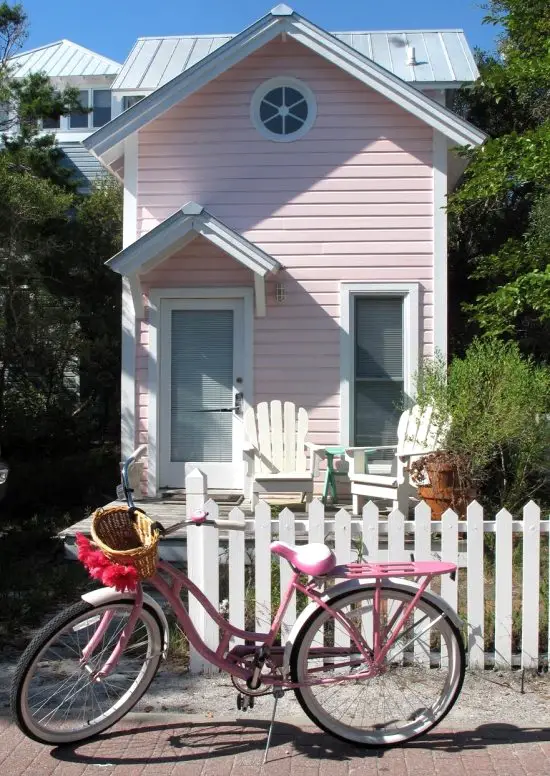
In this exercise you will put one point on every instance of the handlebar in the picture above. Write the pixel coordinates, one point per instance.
(199, 518)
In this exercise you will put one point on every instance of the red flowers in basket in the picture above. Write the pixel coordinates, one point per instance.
(115, 575)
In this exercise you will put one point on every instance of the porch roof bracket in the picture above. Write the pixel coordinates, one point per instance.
(137, 294)
(259, 296)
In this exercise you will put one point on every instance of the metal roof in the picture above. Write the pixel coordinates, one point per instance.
(62, 59)
(441, 56)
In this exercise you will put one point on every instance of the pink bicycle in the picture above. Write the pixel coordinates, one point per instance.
(375, 659)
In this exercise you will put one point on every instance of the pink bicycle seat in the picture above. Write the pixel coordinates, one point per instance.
(315, 560)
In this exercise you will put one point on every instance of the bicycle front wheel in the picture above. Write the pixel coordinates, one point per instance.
(56, 698)
(415, 687)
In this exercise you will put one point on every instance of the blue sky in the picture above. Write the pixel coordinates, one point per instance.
(111, 26)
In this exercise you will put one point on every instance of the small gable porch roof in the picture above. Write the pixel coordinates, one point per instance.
(178, 230)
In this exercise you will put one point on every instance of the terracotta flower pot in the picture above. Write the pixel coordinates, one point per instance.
(437, 505)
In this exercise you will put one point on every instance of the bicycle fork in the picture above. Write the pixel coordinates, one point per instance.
(122, 642)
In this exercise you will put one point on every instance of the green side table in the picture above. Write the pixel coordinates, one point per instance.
(331, 473)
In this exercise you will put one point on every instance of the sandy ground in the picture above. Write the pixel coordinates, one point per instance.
(487, 696)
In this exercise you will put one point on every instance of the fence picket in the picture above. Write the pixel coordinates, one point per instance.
(371, 517)
(262, 566)
(287, 534)
(531, 586)
(370, 532)
(196, 488)
(422, 551)
(236, 561)
(503, 591)
(475, 587)
(449, 551)
(316, 514)
(342, 536)
(396, 537)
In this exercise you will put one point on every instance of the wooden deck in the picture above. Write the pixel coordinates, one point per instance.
(172, 511)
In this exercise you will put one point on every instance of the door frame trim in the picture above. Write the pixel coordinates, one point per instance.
(156, 295)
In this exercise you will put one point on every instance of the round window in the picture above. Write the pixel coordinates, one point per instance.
(283, 109)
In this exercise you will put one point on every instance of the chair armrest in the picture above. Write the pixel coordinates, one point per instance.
(352, 450)
(314, 448)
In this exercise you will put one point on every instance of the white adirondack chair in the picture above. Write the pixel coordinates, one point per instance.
(275, 451)
(418, 433)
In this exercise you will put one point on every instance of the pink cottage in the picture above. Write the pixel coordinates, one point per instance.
(284, 232)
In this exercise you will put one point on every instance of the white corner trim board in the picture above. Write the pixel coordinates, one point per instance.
(440, 289)
(410, 293)
(254, 37)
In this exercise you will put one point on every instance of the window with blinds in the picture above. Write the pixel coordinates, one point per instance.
(201, 379)
(379, 378)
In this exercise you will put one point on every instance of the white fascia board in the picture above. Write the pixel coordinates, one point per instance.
(155, 242)
(395, 89)
(235, 245)
(180, 87)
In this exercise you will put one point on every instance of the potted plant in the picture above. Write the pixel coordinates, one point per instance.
(444, 482)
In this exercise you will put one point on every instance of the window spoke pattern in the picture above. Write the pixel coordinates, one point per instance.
(283, 109)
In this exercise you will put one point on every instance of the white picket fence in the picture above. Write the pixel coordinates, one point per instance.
(393, 538)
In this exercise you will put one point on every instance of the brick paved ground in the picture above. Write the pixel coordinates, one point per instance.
(161, 746)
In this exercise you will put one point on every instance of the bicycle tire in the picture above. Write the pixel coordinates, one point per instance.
(79, 617)
(376, 735)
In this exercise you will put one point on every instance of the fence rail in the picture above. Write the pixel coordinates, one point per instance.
(500, 590)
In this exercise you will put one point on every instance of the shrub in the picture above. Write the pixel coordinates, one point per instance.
(498, 405)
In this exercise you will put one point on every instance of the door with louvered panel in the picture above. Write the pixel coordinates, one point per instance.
(201, 391)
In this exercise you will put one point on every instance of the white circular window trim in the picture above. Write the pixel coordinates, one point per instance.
(274, 83)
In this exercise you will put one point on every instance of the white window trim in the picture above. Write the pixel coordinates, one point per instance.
(156, 295)
(410, 294)
(90, 116)
(274, 83)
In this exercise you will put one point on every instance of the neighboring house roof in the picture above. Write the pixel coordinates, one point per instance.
(441, 56)
(85, 168)
(62, 59)
(179, 229)
(282, 19)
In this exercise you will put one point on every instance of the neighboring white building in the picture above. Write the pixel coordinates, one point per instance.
(68, 64)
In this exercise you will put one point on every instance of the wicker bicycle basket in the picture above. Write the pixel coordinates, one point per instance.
(126, 538)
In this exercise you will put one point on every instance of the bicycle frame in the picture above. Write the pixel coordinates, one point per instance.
(372, 656)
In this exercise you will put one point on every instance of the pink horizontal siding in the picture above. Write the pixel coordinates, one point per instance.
(351, 201)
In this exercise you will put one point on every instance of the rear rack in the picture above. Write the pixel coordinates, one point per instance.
(393, 569)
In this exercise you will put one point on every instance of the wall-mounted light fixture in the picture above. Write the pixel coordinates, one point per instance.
(280, 293)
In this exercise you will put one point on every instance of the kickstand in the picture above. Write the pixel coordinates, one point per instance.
(277, 693)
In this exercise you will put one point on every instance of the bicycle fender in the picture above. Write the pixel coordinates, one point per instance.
(349, 586)
(105, 595)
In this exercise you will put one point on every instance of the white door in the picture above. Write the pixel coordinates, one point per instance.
(202, 388)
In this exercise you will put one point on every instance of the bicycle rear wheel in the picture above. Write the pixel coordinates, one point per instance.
(418, 683)
(55, 698)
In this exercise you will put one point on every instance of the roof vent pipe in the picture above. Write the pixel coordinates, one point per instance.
(411, 57)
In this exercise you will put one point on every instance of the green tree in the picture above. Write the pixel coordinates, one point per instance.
(499, 257)
(59, 304)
